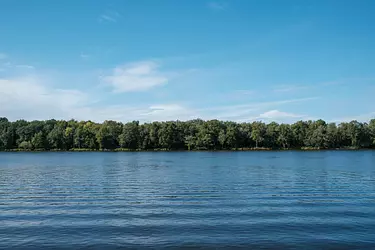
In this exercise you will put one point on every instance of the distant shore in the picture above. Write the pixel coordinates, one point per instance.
(196, 135)
(195, 150)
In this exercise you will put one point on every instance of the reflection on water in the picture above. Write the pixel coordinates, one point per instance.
(188, 199)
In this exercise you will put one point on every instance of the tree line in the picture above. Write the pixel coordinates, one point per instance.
(188, 135)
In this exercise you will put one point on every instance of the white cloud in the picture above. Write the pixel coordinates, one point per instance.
(29, 98)
(169, 112)
(242, 92)
(3, 56)
(109, 16)
(24, 66)
(245, 112)
(84, 56)
(273, 115)
(136, 77)
(9, 66)
(32, 97)
(259, 105)
(218, 6)
(276, 114)
(361, 118)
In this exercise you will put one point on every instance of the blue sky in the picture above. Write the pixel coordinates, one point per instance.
(240, 60)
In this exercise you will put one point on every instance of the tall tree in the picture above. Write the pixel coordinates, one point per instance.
(129, 138)
(372, 131)
(285, 137)
(258, 132)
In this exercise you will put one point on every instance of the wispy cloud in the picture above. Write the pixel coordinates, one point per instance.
(133, 77)
(84, 56)
(24, 66)
(11, 67)
(291, 88)
(217, 6)
(109, 16)
(265, 104)
(244, 92)
(324, 84)
(168, 112)
(276, 114)
(3, 56)
(360, 118)
(249, 111)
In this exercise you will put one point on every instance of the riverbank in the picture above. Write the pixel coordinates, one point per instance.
(185, 150)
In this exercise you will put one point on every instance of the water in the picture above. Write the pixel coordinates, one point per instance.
(265, 200)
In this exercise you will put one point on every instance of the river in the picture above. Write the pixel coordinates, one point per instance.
(265, 200)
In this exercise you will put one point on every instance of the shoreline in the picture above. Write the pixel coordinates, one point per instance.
(195, 150)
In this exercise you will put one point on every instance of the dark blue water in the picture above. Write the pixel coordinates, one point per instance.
(265, 200)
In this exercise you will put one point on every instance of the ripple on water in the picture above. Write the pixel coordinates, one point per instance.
(171, 200)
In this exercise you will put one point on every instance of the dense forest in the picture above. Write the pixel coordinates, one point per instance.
(178, 135)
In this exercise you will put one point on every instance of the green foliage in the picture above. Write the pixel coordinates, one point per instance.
(38, 141)
(371, 127)
(26, 145)
(176, 135)
(285, 135)
(130, 135)
(108, 134)
(258, 132)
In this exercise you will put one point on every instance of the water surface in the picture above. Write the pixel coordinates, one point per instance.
(267, 200)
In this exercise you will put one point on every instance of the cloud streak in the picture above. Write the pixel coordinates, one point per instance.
(276, 115)
(24, 66)
(84, 56)
(291, 88)
(109, 16)
(217, 6)
(361, 118)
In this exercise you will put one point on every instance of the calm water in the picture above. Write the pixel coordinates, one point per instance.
(269, 200)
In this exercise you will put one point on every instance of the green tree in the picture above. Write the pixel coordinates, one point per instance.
(285, 137)
(55, 138)
(371, 127)
(26, 145)
(129, 138)
(69, 137)
(245, 132)
(332, 138)
(38, 140)
(258, 132)
(208, 134)
(300, 133)
(232, 135)
(272, 135)
(190, 141)
(6, 134)
(222, 138)
(318, 138)
(108, 134)
(168, 135)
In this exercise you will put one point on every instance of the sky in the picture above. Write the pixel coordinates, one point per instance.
(146, 60)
